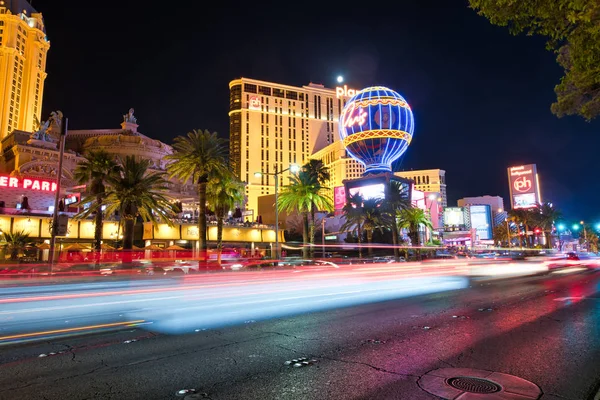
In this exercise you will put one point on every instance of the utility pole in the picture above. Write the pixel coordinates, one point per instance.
(53, 232)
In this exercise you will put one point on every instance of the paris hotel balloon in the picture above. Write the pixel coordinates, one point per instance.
(376, 127)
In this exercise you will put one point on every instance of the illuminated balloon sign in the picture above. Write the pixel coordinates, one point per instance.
(376, 127)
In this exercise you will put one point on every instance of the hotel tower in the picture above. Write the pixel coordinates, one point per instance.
(273, 126)
(23, 50)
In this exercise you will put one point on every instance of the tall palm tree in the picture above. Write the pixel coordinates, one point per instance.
(223, 193)
(136, 192)
(411, 219)
(16, 242)
(354, 218)
(545, 220)
(302, 195)
(93, 171)
(375, 217)
(396, 198)
(320, 172)
(195, 157)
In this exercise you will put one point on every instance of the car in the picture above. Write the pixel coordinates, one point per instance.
(573, 260)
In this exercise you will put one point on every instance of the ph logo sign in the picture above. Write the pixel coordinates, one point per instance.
(522, 184)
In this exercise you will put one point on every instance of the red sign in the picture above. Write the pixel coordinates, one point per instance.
(27, 183)
(522, 184)
(524, 190)
(254, 103)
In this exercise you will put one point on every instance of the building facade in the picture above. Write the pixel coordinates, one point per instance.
(496, 204)
(428, 181)
(273, 126)
(23, 50)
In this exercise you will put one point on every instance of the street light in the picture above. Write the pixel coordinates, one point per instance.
(560, 228)
(292, 168)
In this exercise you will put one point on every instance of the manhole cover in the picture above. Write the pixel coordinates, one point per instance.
(473, 385)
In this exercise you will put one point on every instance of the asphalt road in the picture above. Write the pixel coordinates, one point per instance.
(545, 329)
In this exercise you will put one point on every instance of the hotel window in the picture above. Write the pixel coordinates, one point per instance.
(278, 93)
(291, 95)
(250, 88)
(262, 118)
(301, 96)
(264, 90)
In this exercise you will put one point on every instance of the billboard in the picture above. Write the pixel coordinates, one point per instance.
(481, 221)
(339, 197)
(524, 186)
(454, 216)
(367, 192)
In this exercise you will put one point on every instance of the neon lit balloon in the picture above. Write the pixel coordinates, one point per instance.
(376, 127)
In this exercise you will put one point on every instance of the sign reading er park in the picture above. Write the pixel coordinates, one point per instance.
(27, 183)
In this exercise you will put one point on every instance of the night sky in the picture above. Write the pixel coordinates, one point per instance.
(481, 96)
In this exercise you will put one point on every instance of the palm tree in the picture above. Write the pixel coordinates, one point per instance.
(545, 220)
(302, 195)
(354, 218)
(317, 170)
(16, 243)
(396, 198)
(411, 219)
(196, 157)
(136, 192)
(523, 217)
(375, 217)
(93, 172)
(223, 192)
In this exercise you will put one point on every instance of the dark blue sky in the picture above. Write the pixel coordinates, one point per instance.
(481, 96)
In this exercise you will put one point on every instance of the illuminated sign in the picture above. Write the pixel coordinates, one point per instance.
(355, 118)
(481, 221)
(331, 237)
(454, 216)
(376, 191)
(27, 183)
(523, 184)
(254, 103)
(339, 197)
(344, 92)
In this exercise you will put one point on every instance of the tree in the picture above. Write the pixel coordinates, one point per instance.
(93, 172)
(135, 192)
(545, 218)
(573, 31)
(375, 217)
(224, 191)
(197, 156)
(16, 243)
(354, 218)
(526, 218)
(302, 195)
(411, 219)
(317, 170)
(396, 198)
(500, 234)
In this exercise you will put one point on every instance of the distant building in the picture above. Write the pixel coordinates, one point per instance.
(23, 50)
(496, 204)
(428, 181)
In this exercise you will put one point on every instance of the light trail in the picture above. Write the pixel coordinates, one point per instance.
(69, 330)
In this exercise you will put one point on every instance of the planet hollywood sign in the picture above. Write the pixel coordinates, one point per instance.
(27, 183)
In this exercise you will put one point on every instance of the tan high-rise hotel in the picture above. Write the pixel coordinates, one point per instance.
(23, 50)
(273, 126)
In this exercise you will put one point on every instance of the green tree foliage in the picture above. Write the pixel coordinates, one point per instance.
(16, 243)
(224, 191)
(303, 194)
(354, 218)
(411, 219)
(396, 198)
(135, 192)
(93, 172)
(573, 31)
(195, 157)
(318, 171)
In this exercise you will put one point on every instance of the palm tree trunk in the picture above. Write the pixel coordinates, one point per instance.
(219, 238)
(128, 232)
(99, 222)
(312, 232)
(305, 248)
(395, 240)
(359, 233)
(369, 241)
(202, 220)
(527, 235)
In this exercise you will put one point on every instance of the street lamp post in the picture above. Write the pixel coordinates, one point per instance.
(293, 168)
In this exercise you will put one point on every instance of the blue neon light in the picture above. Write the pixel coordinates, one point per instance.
(376, 126)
